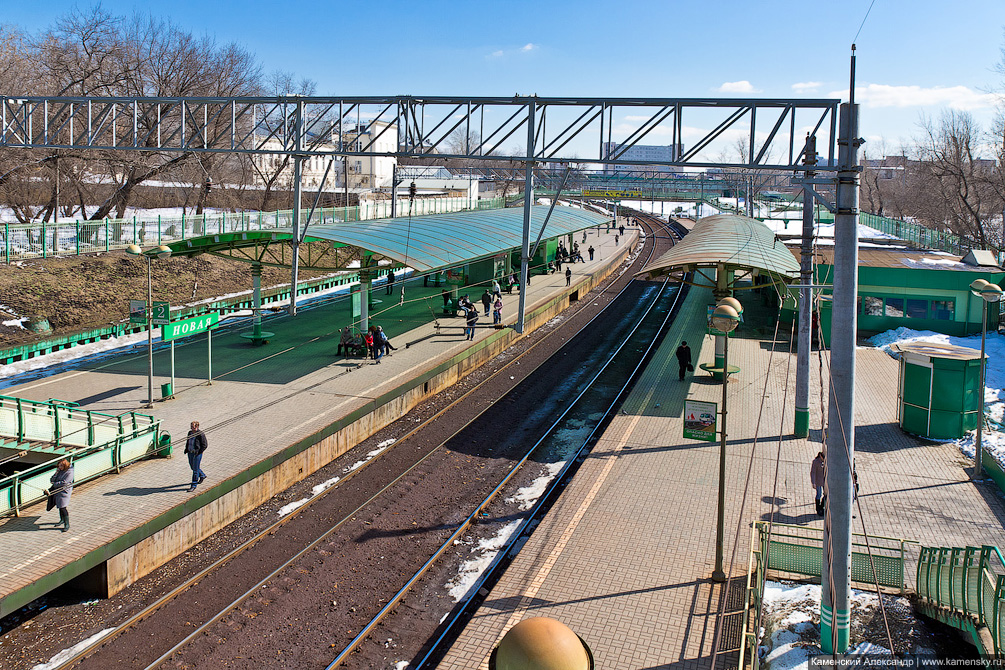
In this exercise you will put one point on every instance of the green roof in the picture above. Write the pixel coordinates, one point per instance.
(731, 241)
(423, 242)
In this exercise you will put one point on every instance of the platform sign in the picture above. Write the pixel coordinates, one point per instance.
(186, 327)
(610, 193)
(700, 420)
(161, 313)
(137, 311)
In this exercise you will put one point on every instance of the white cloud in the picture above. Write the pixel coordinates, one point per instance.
(806, 86)
(525, 49)
(737, 87)
(884, 95)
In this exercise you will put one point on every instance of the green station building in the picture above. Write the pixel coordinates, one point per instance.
(913, 288)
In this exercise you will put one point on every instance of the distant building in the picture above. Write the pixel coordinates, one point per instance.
(649, 156)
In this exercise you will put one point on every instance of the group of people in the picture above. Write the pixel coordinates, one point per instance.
(563, 255)
(375, 344)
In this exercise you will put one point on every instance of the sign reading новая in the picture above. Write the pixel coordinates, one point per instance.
(186, 327)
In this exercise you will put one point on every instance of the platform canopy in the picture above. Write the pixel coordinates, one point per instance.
(727, 242)
(424, 243)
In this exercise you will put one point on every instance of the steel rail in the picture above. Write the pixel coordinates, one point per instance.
(463, 527)
(237, 551)
(394, 599)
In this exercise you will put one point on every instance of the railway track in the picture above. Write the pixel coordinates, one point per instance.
(335, 586)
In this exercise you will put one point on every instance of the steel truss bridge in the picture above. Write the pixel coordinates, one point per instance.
(546, 130)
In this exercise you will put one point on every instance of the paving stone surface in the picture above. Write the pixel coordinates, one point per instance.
(245, 421)
(625, 556)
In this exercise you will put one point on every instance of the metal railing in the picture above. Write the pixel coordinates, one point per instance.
(970, 581)
(93, 442)
(798, 551)
(41, 240)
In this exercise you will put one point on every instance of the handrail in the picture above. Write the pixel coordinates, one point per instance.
(55, 415)
(27, 487)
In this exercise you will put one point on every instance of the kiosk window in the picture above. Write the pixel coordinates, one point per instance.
(917, 309)
(872, 306)
(895, 307)
(943, 309)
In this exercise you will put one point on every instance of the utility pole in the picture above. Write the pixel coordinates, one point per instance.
(298, 169)
(835, 582)
(802, 422)
(528, 202)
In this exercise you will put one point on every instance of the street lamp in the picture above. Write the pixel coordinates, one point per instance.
(158, 252)
(725, 317)
(989, 293)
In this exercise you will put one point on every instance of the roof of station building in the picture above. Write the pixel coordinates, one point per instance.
(424, 242)
(730, 241)
(903, 257)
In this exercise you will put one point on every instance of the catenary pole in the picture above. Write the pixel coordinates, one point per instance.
(802, 414)
(528, 201)
(298, 165)
(836, 577)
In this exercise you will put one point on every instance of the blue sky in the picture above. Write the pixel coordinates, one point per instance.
(914, 58)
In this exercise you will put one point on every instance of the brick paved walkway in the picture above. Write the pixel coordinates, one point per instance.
(624, 557)
(246, 421)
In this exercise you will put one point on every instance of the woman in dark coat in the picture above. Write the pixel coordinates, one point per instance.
(59, 492)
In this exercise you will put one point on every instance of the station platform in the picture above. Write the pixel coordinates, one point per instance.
(625, 555)
(272, 415)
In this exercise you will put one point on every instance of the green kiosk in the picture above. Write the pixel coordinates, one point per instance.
(938, 390)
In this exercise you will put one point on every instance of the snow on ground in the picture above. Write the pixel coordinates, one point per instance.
(486, 551)
(823, 230)
(528, 495)
(791, 619)
(323, 486)
(665, 208)
(67, 654)
(993, 438)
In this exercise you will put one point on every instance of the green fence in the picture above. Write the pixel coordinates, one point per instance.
(93, 442)
(797, 551)
(42, 240)
(965, 587)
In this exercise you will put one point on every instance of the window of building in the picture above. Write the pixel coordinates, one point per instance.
(872, 306)
(895, 307)
(917, 309)
(943, 309)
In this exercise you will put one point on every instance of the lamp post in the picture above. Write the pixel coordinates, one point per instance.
(158, 252)
(724, 318)
(989, 293)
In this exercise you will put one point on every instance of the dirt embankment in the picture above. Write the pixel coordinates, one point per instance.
(82, 292)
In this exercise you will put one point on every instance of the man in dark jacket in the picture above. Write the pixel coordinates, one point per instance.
(683, 358)
(195, 445)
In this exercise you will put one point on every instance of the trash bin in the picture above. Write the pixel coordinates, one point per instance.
(164, 445)
(167, 390)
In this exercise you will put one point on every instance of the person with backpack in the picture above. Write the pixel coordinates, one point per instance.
(195, 447)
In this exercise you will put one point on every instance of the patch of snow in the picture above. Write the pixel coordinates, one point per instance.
(471, 569)
(67, 654)
(401, 665)
(528, 495)
(15, 323)
(286, 509)
(370, 456)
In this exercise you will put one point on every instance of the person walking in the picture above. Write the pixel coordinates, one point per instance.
(487, 301)
(471, 318)
(684, 359)
(818, 474)
(621, 230)
(59, 492)
(615, 240)
(590, 251)
(390, 281)
(384, 341)
(497, 311)
(568, 276)
(496, 289)
(195, 447)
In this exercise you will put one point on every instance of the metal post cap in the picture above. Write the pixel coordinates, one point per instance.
(541, 643)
